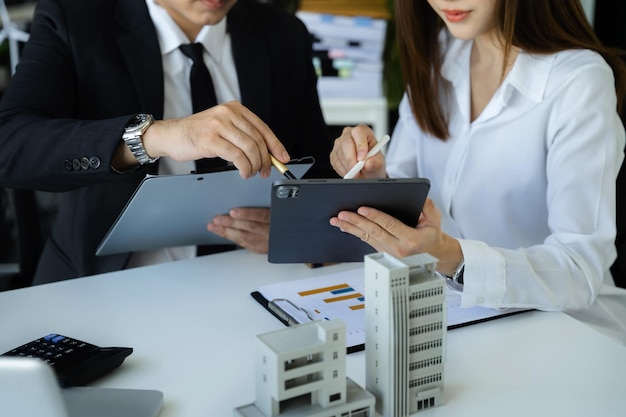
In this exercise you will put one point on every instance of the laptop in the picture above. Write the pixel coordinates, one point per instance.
(28, 388)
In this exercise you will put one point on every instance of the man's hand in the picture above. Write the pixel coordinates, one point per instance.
(247, 227)
(229, 131)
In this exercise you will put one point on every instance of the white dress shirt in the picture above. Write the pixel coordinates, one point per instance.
(176, 69)
(528, 187)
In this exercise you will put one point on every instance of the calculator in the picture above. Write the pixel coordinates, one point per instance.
(74, 361)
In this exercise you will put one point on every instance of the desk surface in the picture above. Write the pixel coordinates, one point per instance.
(192, 325)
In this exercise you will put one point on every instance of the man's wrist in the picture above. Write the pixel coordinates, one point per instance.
(132, 137)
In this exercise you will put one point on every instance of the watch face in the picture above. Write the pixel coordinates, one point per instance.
(138, 120)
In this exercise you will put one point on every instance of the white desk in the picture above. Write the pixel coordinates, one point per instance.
(192, 326)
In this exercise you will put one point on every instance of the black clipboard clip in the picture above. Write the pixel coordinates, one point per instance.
(287, 319)
(282, 314)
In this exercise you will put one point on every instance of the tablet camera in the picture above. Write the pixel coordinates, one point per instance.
(288, 191)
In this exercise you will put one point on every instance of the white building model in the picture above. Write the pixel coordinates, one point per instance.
(301, 371)
(405, 333)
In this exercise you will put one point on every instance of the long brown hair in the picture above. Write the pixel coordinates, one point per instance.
(535, 26)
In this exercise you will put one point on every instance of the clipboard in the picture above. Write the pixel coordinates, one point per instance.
(341, 295)
(173, 210)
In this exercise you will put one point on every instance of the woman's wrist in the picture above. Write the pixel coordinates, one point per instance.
(457, 275)
(451, 259)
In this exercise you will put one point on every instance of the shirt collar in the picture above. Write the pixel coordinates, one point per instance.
(212, 37)
(171, 35)
(529, 75)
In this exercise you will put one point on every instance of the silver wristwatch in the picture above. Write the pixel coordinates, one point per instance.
(132, 137)
(457, 276)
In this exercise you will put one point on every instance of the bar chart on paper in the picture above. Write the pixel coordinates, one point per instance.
(323, 298)
(340, 296)
(339, 301)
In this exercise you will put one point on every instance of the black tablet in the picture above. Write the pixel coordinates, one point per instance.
(301, 210)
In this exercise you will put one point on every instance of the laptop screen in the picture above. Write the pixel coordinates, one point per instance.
(28, 387)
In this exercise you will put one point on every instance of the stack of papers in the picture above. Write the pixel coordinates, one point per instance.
(347, 54)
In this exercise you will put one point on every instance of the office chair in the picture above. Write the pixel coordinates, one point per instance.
(26, 221)
(608, 25)
(619, 267)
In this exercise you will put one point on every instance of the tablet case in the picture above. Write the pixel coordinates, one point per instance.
(301, 210)
(174, 210)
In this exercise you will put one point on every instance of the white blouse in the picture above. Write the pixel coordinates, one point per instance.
(528, 188)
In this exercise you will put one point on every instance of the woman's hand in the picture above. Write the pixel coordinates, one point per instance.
(388, 234)
(352, 146)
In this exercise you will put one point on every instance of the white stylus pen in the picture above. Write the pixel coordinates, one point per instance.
(359, 165)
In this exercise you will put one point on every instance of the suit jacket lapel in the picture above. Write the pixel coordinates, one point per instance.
(138, 43)
(252, 61)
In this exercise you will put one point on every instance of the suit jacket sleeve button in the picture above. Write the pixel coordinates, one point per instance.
(84, 162)
(67, 164)
(76, 164)
(94, 162)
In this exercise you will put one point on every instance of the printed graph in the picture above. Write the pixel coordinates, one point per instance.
(337, 301)
(342, 293)
(324, 298)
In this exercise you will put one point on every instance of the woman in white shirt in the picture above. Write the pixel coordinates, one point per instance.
(511, 112)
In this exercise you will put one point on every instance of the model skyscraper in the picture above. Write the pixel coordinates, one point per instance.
(405, 333)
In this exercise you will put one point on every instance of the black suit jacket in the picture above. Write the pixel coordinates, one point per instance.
(88, 67)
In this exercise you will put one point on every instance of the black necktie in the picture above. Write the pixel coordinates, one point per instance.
(202, 95)
(202, 91)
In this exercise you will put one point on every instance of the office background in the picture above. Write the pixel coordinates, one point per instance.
(26, 216)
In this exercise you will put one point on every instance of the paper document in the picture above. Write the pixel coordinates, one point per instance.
(341, 296)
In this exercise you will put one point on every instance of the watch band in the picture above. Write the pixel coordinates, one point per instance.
(457, 276)
(132, 137)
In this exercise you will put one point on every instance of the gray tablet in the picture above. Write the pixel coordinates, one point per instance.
(301, 209)
(174, 210)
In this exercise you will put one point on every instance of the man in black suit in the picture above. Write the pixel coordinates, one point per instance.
(91, 66)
